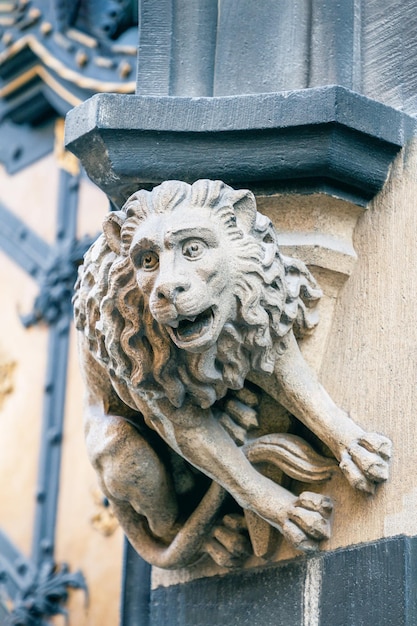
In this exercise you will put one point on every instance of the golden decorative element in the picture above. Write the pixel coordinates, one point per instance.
(19, 82)
(34, 14)
(82, 38)
(81, 58)
(124, 69)
(7, 7)
(104, 520)
(130, 50)
(46, 28)
(7, 38)
(67, 74)
(106, 62)
(39, 70)
(66, 160)
(6, 379)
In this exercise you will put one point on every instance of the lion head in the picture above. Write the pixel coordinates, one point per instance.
(186, 290)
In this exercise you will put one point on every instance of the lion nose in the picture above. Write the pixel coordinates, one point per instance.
(171, 290)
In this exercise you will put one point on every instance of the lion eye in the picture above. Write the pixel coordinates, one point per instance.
(193, 249)
(149, 261)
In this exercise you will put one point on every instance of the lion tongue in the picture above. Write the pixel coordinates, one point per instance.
(188, 328)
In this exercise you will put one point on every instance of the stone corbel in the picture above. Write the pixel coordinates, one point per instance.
(313, 158)
(188, 313)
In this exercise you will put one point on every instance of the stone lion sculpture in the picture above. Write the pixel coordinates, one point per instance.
(182, 305)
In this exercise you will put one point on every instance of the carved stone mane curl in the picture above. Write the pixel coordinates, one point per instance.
(273, 294)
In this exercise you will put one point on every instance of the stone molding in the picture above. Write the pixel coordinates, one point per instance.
(326, 139)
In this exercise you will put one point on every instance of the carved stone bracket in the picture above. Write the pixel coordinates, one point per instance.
(188, 314)
(331, 148)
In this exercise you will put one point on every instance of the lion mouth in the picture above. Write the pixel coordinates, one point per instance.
(188, 329)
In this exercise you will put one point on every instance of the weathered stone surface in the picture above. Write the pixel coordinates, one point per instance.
(326, 138)
(373, 583)
(182, 299)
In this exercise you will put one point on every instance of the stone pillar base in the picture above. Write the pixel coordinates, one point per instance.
(373, 583)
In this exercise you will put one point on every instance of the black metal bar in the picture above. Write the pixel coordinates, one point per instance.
(67, 206)
(50, 453)
(54, 398)
(22, 244)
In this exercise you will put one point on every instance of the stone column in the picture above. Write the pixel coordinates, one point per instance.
(331, 164)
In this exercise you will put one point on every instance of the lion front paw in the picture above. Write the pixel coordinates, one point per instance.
(365, 462)
(309, 521)
(229, 545)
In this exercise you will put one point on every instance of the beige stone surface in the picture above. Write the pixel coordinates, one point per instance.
(318, 229)
(21, 409)
(370, 365)
(93, 205)
(78, 542)
(366, 356)
(32, 195)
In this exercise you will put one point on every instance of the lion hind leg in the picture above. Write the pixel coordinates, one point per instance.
(189, 541)
(309, 521)
(130, 471)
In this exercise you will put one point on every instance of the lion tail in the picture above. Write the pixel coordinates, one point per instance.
(294, 456)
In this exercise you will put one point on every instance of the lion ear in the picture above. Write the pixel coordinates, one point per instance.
(244, 204)
(111, 228)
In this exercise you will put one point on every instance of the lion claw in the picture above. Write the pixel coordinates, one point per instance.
(229, 545)
(365, 462)
(309, 521)
(373, 442)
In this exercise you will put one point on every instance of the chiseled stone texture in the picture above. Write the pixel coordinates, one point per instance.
(366, 357)
(370, 365)
(368, 584)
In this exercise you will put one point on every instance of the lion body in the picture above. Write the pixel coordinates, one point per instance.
(182, 298)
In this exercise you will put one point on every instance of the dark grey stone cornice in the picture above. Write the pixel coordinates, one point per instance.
(325, 138)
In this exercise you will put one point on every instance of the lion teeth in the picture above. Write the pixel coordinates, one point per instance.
(189, 328)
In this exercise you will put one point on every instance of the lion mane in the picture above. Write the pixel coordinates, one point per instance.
(274, 294)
